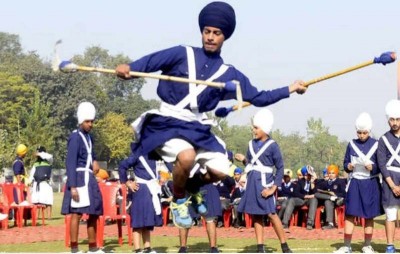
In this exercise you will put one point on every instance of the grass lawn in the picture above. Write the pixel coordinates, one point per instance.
(198, 244)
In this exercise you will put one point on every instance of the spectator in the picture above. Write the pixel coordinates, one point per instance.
(237, 194)
(18, 164)
(285, 192)
(225, 188)
(303, 195)
(331, 193)
(40, 176)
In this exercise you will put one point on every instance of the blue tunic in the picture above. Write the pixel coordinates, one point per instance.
(363, 198)
(18, 166)
(173, 61)
(143, 214)
(76, 158)
(252, 202)
(383, 156)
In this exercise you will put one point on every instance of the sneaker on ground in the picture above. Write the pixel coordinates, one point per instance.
(180, 213)
(198, 203)
(182, 249)
(149, 250)
(214, 250)
(367, 249)
(343, 249)
(98, 251)
(390, 249)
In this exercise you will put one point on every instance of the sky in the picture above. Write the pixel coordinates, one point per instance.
(275, 43)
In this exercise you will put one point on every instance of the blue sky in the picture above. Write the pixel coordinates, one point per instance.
(275, 43)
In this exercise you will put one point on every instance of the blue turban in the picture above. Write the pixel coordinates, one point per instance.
(304, 171)
(220, 15)
(325, 171)
(238, 171)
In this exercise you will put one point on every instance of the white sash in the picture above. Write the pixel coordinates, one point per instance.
(359, 171)
(256, 164)
(153, 185)
(395, 154)
(83, 191)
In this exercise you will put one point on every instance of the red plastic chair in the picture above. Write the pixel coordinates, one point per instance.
(248, 219)
(227, 215)
(340, 216)
(19, 209)
(110, 211)
(4, 207)
(165, 214)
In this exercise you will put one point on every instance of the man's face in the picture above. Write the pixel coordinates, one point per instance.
(213, 38)
(394, 124)
(258, 133)
(237, 176)
(87, 125)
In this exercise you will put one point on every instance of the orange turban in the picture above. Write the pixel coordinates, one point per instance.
(103, 174)
(333, 168)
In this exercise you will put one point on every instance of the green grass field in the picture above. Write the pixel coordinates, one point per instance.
(198, 244)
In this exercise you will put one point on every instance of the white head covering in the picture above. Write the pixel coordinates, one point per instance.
(393, 109)
(364, 122)
(86, 111)
(264, 119)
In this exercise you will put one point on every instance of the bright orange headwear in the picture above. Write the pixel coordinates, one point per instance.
(333, 168)
(164, 175)
(102, 174)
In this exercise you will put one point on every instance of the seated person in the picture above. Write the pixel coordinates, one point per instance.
(285, 192)
(303, 194)
(332, 193)
(236, 196)
(166, 188)
(225, 188)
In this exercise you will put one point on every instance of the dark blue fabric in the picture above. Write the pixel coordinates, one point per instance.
(286, 190)
(252, 202)
(385, 58)
(220, 15)
(271, 157)
(383, 155)
(363, 198)
(364, 148)
(173, 62)
(337, 186)
(76, 157)
(225, 187)
(18, 166)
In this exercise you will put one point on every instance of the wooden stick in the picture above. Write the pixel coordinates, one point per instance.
(322, 78)
(153, 76)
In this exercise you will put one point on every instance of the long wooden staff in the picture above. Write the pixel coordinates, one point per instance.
(385, 58)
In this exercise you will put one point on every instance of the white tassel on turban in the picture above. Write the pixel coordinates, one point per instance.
(264, 119)
(86, 111)
(393, 109)
(364, 122)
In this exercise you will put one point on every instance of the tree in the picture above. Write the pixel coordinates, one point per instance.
(115, 137)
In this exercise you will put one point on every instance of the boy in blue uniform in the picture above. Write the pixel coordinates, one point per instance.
(285, 192)
(332, 192)
(363, 198)
(82, 194)
(180, 131)
(389, 164)
(258, 200)
(303, 194)
(146, 204)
